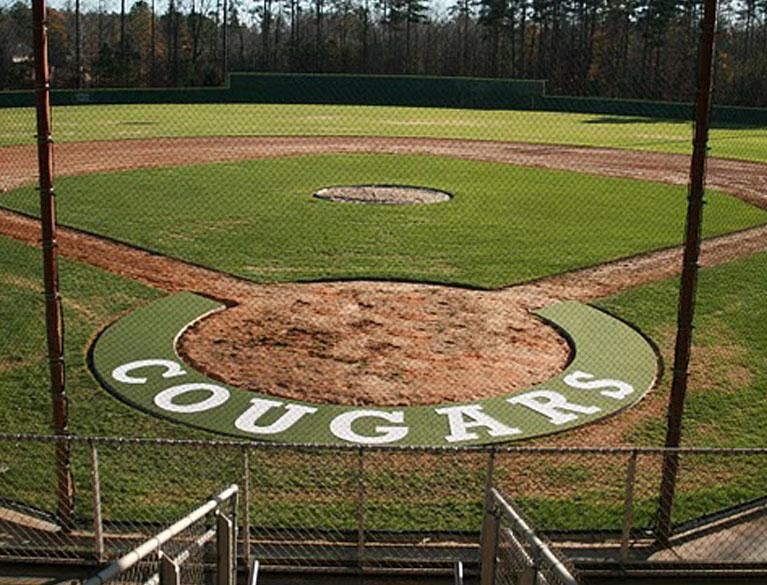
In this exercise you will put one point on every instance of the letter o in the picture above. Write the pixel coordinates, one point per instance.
(218, 396)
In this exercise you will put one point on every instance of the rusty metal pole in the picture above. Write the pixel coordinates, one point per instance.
(53, 315)
(689, 278)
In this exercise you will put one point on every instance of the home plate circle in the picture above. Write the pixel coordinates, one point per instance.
(383, 194)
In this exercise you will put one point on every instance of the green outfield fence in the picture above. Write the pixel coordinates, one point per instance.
(388, 90)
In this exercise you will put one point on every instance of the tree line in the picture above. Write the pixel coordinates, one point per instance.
(612, 48)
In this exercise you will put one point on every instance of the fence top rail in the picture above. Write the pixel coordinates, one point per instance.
(562, 571)
(153, 544)
(234, 444)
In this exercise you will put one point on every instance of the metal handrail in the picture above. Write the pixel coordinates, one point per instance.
(563, 572)
(253, 576)
(155, 543)
(458, 573)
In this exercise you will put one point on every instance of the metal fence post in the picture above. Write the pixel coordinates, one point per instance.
(489, 483)
(234, 510)
(628, 506)
(490, 524)
(246, 507)
(169, 571)
(689, 278)
(529, 575)
(98, 524)
(489, 547)
(54, 318)
(224, 556)
(360, 505)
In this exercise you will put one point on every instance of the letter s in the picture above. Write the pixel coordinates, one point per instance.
(579, 379)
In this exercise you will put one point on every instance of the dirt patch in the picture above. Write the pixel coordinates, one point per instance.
(383, 195)
(385, 343)
(18, 165)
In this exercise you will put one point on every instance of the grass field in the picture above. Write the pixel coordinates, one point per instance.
(224, 216)
(505, 224)
(721, 408)
(122, 122)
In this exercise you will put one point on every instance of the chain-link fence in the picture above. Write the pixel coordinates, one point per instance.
(322, 247)
(377, 508)
(350, 261)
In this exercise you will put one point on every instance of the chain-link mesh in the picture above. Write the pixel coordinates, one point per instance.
(257, 239)
(376, 297)
(377, 508)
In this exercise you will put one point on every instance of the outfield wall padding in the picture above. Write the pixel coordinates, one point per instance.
(389, 90)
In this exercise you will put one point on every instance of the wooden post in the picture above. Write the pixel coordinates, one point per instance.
(487, 505)
(489, 547)
(53, 315)
(225, 43)
(689, 277)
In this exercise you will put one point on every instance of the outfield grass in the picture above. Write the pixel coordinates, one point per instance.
(506, 224)
(122, 122)
(725, 406)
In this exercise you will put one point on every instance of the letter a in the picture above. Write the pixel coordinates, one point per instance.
(459, 425)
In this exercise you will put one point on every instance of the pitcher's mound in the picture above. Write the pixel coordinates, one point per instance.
(383, 194)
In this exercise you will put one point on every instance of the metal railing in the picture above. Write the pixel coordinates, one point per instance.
(354, 508)
(512, 553)
(192, 535)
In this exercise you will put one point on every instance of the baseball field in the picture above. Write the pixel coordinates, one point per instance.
(387, 307)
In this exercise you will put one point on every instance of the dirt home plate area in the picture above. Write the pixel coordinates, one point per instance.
(384, 344)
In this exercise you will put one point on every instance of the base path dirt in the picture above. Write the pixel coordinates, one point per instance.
(18, 165)
(380, 343)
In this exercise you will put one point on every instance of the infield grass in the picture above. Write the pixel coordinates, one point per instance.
(506, 224)
(124, 122)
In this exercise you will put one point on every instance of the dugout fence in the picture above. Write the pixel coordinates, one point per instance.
(378, 509)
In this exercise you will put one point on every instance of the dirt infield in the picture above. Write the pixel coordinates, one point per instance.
(375, 342)
(18, 165)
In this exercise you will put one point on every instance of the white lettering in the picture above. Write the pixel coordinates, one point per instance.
(580, 379)
(463, 418)
(260, 406)
(172, 370)
(218, 396)
(341, 426)
(550, 404)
